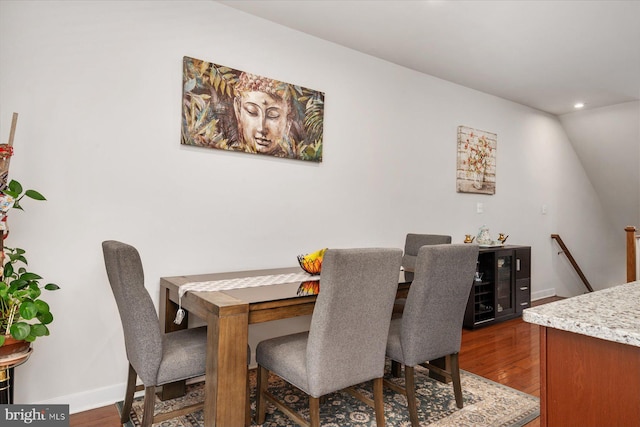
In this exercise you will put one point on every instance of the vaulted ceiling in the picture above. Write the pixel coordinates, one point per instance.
(544, 54)
(548, 55)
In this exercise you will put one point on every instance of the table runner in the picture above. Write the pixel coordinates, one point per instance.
(237, 283)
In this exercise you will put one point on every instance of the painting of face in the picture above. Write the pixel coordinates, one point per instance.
(235, 110)
(263, 121)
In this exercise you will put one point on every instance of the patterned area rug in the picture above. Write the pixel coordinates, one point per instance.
(486, 403)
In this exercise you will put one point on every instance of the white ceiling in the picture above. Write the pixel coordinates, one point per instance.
(544, 54)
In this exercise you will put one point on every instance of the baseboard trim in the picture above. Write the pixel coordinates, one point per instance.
(545, 293)
(97, 398)
(89, 399)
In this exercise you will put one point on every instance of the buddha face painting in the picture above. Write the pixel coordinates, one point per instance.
(229, 109)
(262, 113)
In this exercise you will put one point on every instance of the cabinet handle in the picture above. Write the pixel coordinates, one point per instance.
(524, 303)
(524, 288)
(517, 264)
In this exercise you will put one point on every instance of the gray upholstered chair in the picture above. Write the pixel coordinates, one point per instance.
(413, 243)
(155, 357)
(346, 342)
(431, 325)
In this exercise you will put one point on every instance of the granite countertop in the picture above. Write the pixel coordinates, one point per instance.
(611, 314)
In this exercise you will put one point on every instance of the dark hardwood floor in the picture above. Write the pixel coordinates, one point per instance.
(507, 353)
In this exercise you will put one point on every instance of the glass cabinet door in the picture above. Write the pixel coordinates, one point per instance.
(504, 296)
(501, 289)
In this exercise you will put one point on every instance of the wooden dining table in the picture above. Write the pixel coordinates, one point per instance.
(227, 315)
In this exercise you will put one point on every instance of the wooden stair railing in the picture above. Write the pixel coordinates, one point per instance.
(633, 240)
(573, 262)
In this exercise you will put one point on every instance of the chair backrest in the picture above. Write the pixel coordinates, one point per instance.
(142, 336)
(414, 242)
(434, 311)
(350, 322)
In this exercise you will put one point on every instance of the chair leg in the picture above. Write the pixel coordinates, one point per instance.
(314, 411)
(261, 401)
(378, 400)
(148, 406)
(410, 386)
(128, 395)
(455, 379)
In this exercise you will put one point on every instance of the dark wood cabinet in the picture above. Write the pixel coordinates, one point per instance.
(502, 288)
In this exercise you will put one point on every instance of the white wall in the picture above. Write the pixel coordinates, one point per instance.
(607, 141)
(98, 89)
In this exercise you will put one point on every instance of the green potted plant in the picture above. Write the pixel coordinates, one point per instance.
(24, 314)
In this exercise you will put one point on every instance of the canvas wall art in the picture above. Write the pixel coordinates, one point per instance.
(235, 110)
(476, 169)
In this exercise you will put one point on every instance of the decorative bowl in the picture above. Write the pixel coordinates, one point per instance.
(312, 267)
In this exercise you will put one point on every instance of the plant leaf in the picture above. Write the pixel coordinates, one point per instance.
(28, 310)
(15, 186)
(42, 306)
(51, 287)
(8, 270)
(45, 318)
(34, 195)
(20, 330)
(30, 276)
(18, 284)
(34, 291)
(39, 330)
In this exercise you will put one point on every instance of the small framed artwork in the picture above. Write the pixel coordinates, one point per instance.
(476, 166)
(235, 110)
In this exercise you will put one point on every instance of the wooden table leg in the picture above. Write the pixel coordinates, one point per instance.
(396, 369)
(226, 385)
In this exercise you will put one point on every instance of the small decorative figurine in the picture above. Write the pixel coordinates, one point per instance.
(502, 238)
(484, 238)
(468, 238)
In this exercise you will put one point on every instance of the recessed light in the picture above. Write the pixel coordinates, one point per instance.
(578, 105)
